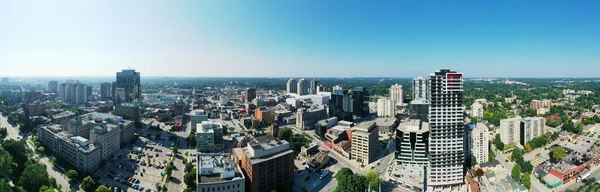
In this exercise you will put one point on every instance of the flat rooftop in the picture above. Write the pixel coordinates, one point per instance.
(385, 121)
(413, 125)
(214, 168)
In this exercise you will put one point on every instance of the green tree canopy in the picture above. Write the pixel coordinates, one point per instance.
(6, 163)
(285, 134)
(4, 186)
(557, 153)
(516, 172)
(374, 179)
(34, 177)
(88, 184)
(103, 188)
(71, 174)
(526, 180)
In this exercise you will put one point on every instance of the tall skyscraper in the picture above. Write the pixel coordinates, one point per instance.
(69, 91)
(446, 144)
(313, 89)
(88, 92)
(29, 97)
(420, 88)
(302, 89)
(250, 94)
(396, 94)
(80, 94)
(128, 86)
(479, 143)
(53, 86)
(105, 90)
(360, 97)
(292, 86)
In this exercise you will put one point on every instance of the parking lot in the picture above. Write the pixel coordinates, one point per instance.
(139, 167)
(310, 181)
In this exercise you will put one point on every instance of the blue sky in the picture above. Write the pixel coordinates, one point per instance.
(512, 38)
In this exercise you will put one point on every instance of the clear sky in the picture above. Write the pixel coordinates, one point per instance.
(484, 38)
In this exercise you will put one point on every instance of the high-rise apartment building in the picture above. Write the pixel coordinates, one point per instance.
(292, 86)
(412, 151)
(397, 94)
(420, 88)
(313, 89)
(531, 127)
(88, 92)
(105, 90)
(480, 143)
(510, 130)
(53, 86)
(536, 104)
(250, 94)
(80, 94)
(477, 110)
(447, 132)
(267, 163)
(30, 97)
(365, 140)
(128, 86)
(302, 88)
(386, 107)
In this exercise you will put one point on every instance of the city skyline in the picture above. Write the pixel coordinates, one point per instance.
(375, 39)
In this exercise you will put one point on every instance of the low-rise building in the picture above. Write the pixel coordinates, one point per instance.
(209, 136)
(219, 172)
(84, 155)
(197, 116)
(386, 125)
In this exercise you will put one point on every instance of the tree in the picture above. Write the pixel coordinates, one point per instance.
(516, 152)
(528, 147)
(4, 186)
(473, 120)
(71, 174)
(479, 172)
(374, 179)
(18, 151)
(285, 134)
(473, 160)
(191, 141)
(103, 188)
(34, 177)
(6, 163)
(41, 149)
(527, 167)
(516, 172)
(190, 178)
(526, 180)
(88, 184)
(46, 189)
(343, 173)
(557, 153)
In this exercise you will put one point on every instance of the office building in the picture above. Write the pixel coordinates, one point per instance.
(365, 140)
(107, 137)
(302, 88)
(386, 107)
(510, 130)
(341, 105)
(198, 116)
(128, 110)
(127, 87)
(397, 94)
(306, 119)
(412, 152)
(531, 127)
(339, 138)
(267, 164)
(446, 143)
(36, 108)
(420, 88)
(179, 107)
(88, 92)
(250, 94)
(209, 136)
(267, 116)
(105, 90)
(292, 86)
(324, 125)
(69, 94)
(477, 110)
(53, 86)
(61, 91)
(313, 89)
(219, 172)
(480, 143)
(419, 109)
(360, 98)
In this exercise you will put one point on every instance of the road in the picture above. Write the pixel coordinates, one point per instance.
(61, 180)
